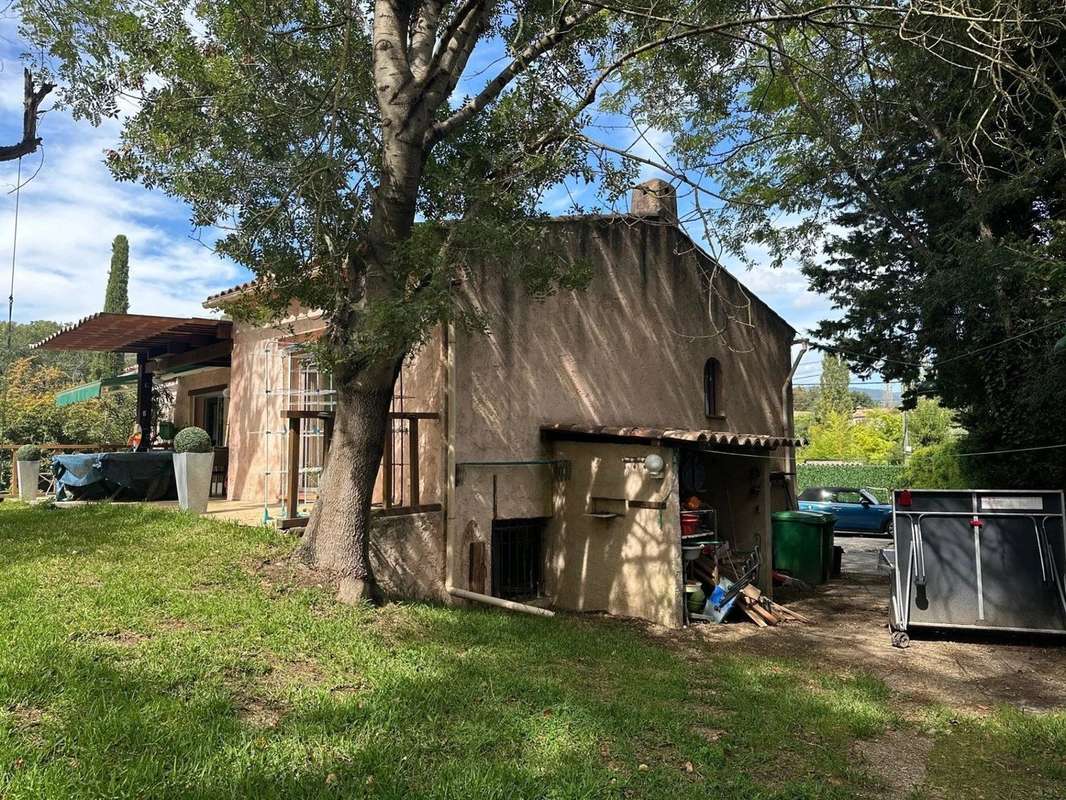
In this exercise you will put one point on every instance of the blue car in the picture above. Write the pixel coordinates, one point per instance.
(856, 510)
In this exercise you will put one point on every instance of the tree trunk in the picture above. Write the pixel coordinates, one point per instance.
(337, 538)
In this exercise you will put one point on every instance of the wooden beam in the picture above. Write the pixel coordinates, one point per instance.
(386, 466)
(399, 511)
(296, 413)
(412, 441)
(144, 402)
(478, 573)
(294, 467)
(211, 352)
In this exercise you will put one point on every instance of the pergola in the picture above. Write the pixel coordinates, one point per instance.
(161, 344)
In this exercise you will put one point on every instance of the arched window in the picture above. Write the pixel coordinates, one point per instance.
(712, 377)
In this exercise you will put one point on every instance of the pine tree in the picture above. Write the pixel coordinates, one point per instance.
(116, 301)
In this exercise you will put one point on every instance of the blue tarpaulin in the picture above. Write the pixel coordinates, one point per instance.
(115, 476)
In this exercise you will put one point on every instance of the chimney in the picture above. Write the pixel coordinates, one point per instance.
(655, 198)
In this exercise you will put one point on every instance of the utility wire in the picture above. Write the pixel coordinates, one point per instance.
(938, 364)
(11, 297)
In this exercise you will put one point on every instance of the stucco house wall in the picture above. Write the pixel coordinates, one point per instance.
(185, 387)
(627, 565)
(628, 349)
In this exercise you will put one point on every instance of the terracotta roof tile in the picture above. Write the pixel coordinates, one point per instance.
(763, 441)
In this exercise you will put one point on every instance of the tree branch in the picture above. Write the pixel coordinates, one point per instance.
(31, 105)
(518, 65)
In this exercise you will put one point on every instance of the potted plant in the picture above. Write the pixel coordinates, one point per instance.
(28, 460)
(194, 457)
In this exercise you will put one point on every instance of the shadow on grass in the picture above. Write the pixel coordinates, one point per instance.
(411, 701)
(459, 714)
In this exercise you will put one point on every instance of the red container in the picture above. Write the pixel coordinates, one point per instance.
(690, 523)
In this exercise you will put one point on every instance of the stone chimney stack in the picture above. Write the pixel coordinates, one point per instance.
(655, 198)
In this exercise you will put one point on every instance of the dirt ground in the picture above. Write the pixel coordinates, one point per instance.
(972, 673)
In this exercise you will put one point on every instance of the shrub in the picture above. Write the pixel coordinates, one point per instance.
(193, 440)
(936, 467)
(28, 452)
(865, 476)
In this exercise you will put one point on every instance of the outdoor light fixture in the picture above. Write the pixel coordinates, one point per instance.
(655, 465)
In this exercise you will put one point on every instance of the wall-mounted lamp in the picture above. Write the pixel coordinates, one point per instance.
(654, 465)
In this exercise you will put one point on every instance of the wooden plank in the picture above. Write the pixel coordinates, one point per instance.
(294, 467)
(788, 612)
(414, 415)
(652, 504)
(412, 442)
(386, 467)
(211, 352)
(297, 413)
(293, 522)
(144, 402)
(753, 616)
(399, 511)
(478, 571)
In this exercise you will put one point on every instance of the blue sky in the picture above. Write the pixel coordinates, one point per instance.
(72, 209)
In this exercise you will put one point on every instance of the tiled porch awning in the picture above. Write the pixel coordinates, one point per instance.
(668, 436)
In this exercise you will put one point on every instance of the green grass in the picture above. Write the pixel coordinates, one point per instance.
(142, 654)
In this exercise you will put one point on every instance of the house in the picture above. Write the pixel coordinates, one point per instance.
(550, 456)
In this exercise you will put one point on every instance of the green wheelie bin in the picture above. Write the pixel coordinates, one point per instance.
(803, 544)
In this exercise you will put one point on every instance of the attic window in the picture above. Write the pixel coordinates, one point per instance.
(712, 388)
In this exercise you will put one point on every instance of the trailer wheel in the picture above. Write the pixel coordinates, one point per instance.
(901, 640)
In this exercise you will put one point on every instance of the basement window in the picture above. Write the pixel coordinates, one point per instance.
(516, 558)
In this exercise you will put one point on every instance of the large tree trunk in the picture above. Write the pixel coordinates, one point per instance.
(338, 534)
(337, 538)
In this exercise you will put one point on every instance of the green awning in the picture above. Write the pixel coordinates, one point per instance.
(88, 391)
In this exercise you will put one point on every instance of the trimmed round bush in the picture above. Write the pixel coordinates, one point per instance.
(28, 452)
(193, 440)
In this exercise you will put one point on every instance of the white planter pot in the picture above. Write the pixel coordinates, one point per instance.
(29, 472)
(192, 473)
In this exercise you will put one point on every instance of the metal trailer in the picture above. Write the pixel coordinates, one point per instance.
(977, 560)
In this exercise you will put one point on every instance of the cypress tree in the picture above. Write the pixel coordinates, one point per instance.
(116, 301)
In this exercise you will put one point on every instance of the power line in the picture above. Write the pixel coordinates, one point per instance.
(939, 364)
(1014, 450)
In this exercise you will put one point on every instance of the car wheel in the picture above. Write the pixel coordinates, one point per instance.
(886, 528)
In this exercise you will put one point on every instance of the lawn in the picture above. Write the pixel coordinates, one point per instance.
(147, 654)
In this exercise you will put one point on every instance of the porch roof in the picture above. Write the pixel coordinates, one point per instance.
(138, 333)
(668, 436)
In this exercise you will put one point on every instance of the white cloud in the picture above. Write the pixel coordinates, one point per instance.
(72, 209)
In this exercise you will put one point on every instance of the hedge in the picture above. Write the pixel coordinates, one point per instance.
(877, 476)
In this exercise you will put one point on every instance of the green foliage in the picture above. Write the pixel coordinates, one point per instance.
(107, 419)
(928, 204)
(74, 365)
(28, 452)
(31, 414)
(861, 399)
(929, 423)
(879, 476)
(193, 440)
(834, 396)
(804, 398)
(838, 438)
(116, 301)
(937, 467)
